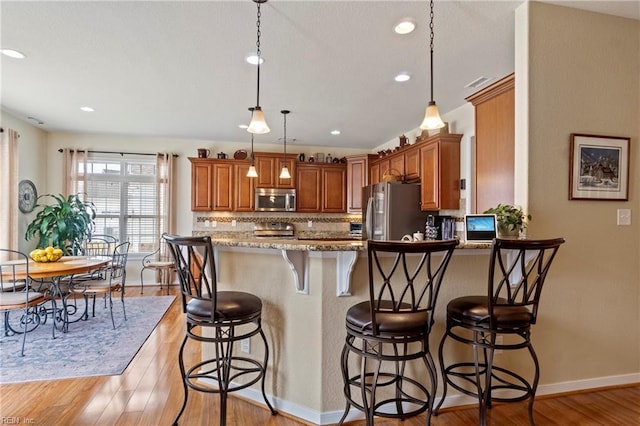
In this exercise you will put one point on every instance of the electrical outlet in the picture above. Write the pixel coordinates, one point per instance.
(214, 223)
(309, 224)
(234, 223)
(245, 345)
(624, 217)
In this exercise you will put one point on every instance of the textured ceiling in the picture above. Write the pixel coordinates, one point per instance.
(177, 69)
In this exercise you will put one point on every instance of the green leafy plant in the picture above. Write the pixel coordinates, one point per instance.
(511, 219)
(64, 224)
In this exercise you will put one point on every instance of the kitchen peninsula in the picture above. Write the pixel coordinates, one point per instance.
(304, 320)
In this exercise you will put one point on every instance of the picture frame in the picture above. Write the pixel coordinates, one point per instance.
(599, 167)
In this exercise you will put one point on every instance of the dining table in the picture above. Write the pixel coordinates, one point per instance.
(66, 266)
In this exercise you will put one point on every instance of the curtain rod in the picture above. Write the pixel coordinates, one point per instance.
(117, 152)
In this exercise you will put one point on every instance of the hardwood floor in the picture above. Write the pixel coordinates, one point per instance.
(149, 392)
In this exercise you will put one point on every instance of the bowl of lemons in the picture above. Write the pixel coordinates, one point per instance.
(49, 254)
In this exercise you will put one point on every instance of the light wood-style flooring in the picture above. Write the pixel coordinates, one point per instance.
(149, 392)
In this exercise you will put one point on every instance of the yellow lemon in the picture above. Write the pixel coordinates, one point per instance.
(49, 250)
(57, 252)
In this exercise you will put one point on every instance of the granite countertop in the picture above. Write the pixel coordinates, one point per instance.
(305, 244)
(293, 244)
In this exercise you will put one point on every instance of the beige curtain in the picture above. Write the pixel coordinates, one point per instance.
(165, 197)
(74, 169)
(9, 189)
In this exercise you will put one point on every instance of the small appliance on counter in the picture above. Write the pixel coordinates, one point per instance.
(273, 229)
(355, 229)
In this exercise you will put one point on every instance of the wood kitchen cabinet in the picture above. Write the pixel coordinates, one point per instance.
(201, 184)
(404, 163)
(268, 166)
(412, 163)
(357, 178)
(244, 188)
(321, 188)
(494, 143)
(334, 185)
(440, 172)
(221, 185)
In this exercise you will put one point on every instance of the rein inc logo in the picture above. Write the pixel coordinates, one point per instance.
(6, 420)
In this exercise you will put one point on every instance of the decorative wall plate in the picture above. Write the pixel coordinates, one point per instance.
(240, 154)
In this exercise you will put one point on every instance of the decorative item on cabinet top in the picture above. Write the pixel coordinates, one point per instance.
(240, 154)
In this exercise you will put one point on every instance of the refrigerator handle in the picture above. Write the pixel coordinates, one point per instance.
(368, 221)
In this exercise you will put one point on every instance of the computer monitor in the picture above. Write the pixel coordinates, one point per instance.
(480, 228)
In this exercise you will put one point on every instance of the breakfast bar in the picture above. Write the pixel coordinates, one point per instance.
(305, 328)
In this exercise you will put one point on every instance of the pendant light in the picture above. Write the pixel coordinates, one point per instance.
(432, 118)
(258, 124)
(252, 173)
(284, 173)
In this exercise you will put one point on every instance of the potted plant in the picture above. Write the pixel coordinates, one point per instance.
(511, 219)
(64, 224)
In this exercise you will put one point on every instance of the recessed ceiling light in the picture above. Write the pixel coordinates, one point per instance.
(335, 132)
(402, 77)
(405, 26)
(253, 59)
(87, 109)
(243, 126)
(12, 53)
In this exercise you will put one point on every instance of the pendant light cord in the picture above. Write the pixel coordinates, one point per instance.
(258, 53)
(430, 46)
(285, 138)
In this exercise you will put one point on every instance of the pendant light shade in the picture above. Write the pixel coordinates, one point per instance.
(432, 118)
(284, 173)
(258, 124)
(252, 173)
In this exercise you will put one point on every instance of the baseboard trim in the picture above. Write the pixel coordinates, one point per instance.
(331, 417)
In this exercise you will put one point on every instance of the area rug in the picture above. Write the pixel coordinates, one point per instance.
(89, 348)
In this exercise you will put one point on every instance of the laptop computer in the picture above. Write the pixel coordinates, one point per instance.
(480, 228)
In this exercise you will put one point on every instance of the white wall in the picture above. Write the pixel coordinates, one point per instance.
(583, 77)
(30, 166)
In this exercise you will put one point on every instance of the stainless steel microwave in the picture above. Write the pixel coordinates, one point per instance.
(275, 200)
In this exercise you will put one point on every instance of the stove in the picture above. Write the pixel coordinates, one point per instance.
(273, 230)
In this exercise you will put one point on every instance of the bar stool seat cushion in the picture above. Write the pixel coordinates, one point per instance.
(402, 321)
(230, 305)
(474, 310)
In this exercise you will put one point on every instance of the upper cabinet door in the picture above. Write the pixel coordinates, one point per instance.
(334, 182)
(265, 166)
(201, 185)
(223, 186)
(244, 197)
(309, 192)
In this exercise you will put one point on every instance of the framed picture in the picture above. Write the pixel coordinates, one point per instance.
(599, 168)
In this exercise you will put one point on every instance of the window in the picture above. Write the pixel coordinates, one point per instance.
(124, 193)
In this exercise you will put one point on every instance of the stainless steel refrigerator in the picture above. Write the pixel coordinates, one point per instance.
(391, 210)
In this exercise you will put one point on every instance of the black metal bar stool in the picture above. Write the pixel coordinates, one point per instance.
(391, 329)
(231, 315)
(517, 272)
